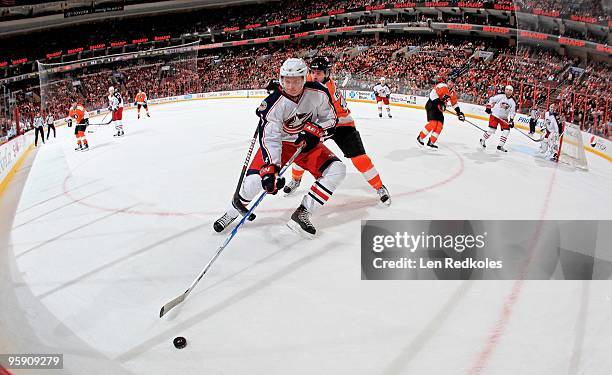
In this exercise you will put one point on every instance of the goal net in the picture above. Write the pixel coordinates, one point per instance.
(571, 149)
(158, 72)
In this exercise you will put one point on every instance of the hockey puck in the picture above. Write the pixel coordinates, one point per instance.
(180, 342)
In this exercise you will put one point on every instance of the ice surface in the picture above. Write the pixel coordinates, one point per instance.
(102, 239)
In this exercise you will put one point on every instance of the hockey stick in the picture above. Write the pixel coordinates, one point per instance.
(519, 130)
(176, 301)
(236, 198)
(102, 123)
(466, 120)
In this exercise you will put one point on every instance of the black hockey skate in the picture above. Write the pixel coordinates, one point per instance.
(291, 187)
(501, 148)
(431, 145)
(223, 222)
(300, 223)
(482, 143)
(420, 141)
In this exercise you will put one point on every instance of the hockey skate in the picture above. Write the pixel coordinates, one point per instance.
(501, 148)
(85, 148)
(431, 145)
(300, 223)
(148, 115)
(380, 114)
(291, 187)
(420, 141)
(78, 148)
(223, 222)
(482, 143)
(389, 114)
(384, 195)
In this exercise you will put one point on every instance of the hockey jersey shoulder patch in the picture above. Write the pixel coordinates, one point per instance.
(267, 103)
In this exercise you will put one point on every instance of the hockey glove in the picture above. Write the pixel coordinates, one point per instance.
(488, 109)
(270, 181)
(69, 122)
(510, 123)
(273, 85)
(310, 136)
(460, 115)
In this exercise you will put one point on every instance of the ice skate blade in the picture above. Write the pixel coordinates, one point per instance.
(297, 229)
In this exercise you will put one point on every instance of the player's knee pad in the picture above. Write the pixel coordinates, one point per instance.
(363, 163)
(438, 126)
(333, 175)
(251, 185)
(349, 141)
(491, 130)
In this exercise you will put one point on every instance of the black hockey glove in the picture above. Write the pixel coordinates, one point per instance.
(69, 122)
(270, 181)
(310, 136)
(488, 109)
(460, 115)
(510, 123)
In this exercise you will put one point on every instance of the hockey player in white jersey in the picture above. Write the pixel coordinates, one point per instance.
(552, 127)
(501, 109)
(299, 114)
(382, 91)
(115, 105)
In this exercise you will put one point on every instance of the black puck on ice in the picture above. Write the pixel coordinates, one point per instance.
(180, 342)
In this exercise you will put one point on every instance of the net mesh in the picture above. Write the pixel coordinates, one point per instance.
(158, 72)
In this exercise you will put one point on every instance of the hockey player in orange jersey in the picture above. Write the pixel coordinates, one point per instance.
(141, 101)
(440, 96)
(346, 135)
(80, 116)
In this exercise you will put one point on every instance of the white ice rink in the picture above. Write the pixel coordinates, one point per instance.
(101, 240)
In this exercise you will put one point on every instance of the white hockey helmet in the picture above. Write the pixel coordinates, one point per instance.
(509, 88)
(293, 67)
(382, 79)
(111, 90)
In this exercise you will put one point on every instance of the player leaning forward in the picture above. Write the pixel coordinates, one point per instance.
(346, 135)
(300, 113)
(501, 109)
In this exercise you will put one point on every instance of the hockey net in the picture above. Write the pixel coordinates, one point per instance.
(571, 150)
(158, 72)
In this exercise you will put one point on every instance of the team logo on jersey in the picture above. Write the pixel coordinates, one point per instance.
(505, 106)
(295, 123)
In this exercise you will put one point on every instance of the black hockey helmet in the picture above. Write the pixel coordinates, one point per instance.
(321, 63)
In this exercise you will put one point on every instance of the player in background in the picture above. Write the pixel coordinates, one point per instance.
(115, 105)
(39, 124)
(501, 109)
(49, 120)
(141, 101)
(346, 135)
(534, 116)
(382, 91)
(80, 116)
(552, 127)
(299, 114)
(439, 97)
